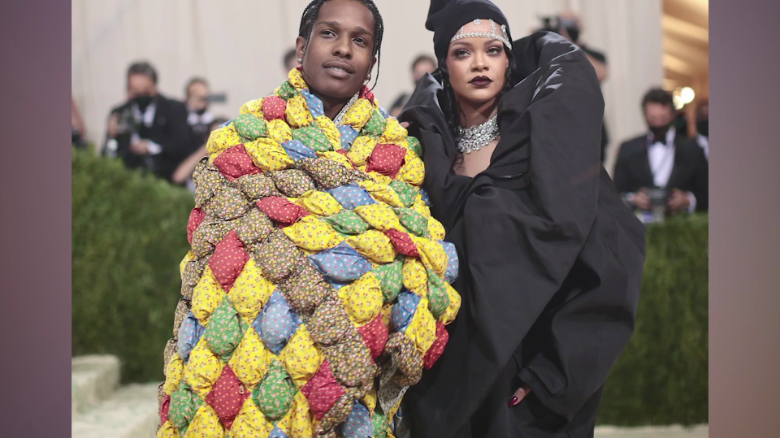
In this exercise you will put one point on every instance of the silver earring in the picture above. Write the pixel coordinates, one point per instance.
(300, 60)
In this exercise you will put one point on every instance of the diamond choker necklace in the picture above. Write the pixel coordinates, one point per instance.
(479, 136)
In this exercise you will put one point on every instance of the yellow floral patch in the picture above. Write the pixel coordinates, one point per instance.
(221, 140)
(320, 203)
(268, 155)
(250, 360)
(250, 292)
(337, 157)
(203, 369)
(206, 297)
(413, 171)
(436, 229)
(359, 114)
(297, 112)
(432, 254)
(362, 299)
(250, 422)
(312, 234)
(380, 217)
(422, 329)
(361, 150)
(253, 107)
(168, 430)
(188, 258)
(394, 132)
(297, 423)
(205, 424)
(296, 79)
(301, 358)
(452, 310)
(330, 130)
(174, 373)
(415, 277)
(373, 245)
(382, 193)
(279, 131)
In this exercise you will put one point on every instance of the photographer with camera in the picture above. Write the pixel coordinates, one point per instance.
(662, 173)
(149, 131)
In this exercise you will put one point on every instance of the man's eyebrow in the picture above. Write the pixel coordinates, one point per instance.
(359, 29)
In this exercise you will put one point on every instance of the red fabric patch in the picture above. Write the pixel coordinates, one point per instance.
(274, 107)
(165, 408)
(403, 243)
(235, 163)
(281, 210)
(227, 397)
(387, 159)
(375, 336)
(228, 260)
(365, 93)
(322, 391)
(436, 350)
(196, 218)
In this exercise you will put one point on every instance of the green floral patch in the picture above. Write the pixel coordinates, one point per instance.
(224, 331)
(275, 395)
(391, 278)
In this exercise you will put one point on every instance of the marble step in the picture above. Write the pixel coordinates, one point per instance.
(131, 412)
(93, 379)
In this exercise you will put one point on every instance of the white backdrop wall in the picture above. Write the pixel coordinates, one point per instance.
(238, 46)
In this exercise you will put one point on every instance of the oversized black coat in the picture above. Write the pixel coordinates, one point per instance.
(551, 258)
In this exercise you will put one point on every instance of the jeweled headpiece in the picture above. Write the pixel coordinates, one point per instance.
(493, 35)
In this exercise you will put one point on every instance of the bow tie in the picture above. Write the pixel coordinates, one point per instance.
(659, 139)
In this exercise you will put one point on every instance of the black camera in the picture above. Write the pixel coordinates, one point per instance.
(555, 24)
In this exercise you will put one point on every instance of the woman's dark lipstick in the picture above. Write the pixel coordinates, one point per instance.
(481, 81)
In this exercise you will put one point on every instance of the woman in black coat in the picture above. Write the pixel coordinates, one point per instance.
(551, 259)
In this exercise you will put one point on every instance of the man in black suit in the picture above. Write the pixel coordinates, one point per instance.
(662, 159)
(149, 131)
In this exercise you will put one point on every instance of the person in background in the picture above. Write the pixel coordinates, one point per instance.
(290, 61)
(198, 115)
(78, 131)
(421, 65)
(149, 131)
(183, 173)
(662, 158)
(703, 127)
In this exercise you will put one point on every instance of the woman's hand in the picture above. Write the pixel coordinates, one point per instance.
(520, 394)
(405, 125)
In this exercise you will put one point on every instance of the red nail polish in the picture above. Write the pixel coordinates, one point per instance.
(513, 402)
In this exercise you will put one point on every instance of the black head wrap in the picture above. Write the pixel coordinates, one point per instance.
(446, 17)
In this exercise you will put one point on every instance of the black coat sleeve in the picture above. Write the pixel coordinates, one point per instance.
(176, 139)
(622, 173)
(701, 180)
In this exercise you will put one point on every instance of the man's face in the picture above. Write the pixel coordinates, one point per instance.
(197, 99)
(140, 86)
(339, 56)
(658, 116)
(421, 69)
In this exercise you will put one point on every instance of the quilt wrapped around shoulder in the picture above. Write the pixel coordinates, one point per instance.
(317, 288)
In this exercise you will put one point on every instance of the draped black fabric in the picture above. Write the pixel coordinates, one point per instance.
(551, 258)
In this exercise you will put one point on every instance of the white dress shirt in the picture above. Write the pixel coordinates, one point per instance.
(661, 157)
(147, 118)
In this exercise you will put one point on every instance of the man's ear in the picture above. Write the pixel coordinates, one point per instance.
(300, 47)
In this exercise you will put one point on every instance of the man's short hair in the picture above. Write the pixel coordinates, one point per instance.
(288, 56)
(423, 58)
(142, 68)
(659, 96)
(193, 81)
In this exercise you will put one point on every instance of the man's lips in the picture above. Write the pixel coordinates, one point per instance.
(339, 69)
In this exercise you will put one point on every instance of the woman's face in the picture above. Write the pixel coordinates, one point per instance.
(477, 66)
(339, 56)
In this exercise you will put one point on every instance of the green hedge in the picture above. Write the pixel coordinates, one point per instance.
(662, 377)
(129, 237)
